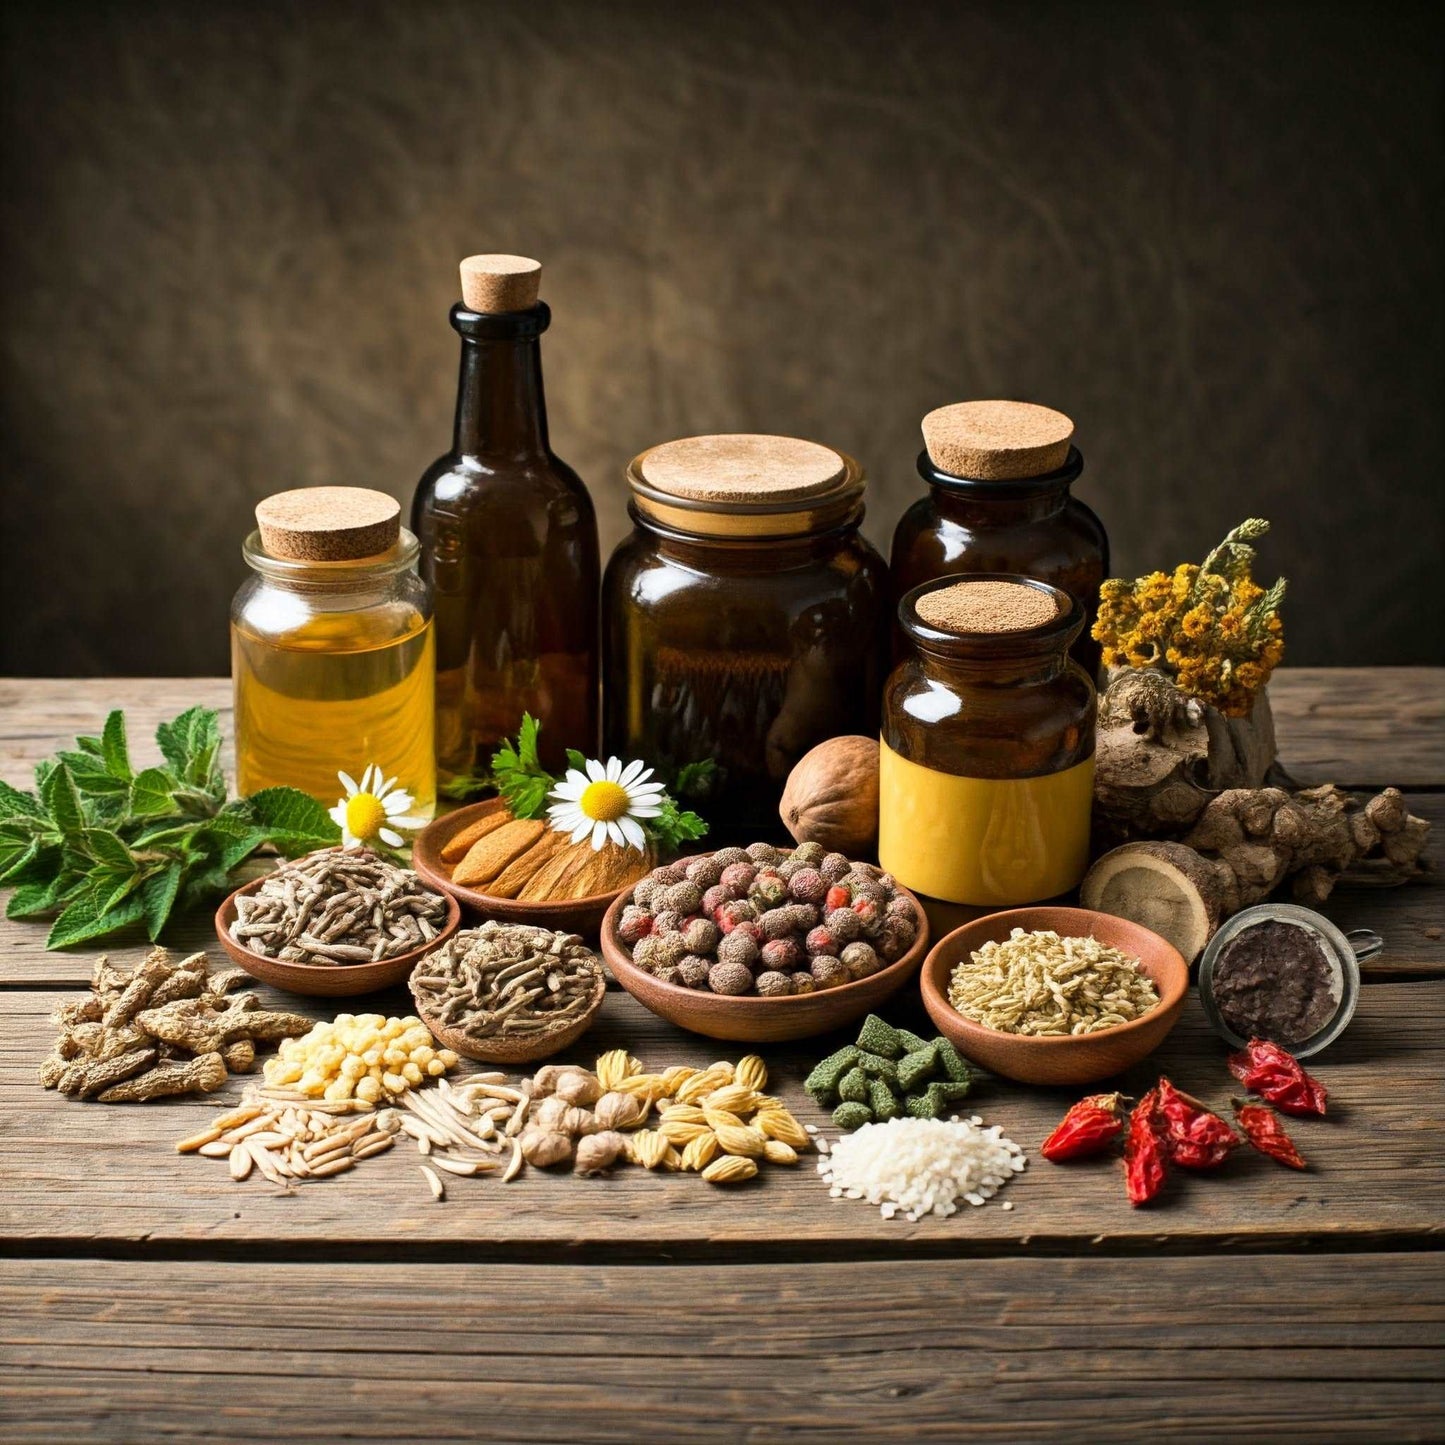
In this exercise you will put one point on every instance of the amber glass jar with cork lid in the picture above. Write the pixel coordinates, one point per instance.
(508, 541)
(745, 619)
(986, 768)
(332, 655)
(999, 474)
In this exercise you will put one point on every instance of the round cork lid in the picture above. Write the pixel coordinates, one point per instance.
(741, 467)
(997, 440)
(497, 283)
(328, 524)
(986, 606)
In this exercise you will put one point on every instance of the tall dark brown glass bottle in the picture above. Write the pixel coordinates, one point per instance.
(509, 541)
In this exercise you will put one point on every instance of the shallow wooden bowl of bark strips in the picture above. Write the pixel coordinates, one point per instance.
(329, 980)
(751, 1019)
(1065, 1058)
(564, 915)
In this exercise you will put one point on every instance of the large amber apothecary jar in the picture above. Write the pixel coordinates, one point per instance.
(332, 655)
(986, 771)
(999, 475)
(745, 619)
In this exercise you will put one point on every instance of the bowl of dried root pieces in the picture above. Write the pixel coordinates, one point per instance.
(1054, 995)
(509, 993)
(336, 923)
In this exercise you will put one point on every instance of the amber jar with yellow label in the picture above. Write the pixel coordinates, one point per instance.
(986, 771)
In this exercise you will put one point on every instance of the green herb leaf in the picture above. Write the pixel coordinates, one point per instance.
(113, 746)
(17, 855)
(107, 849)
(152, 794)
(83, 920)
(295, 822)
(33, 900)
(465, 788)
(158, 896)
(519, 775)
(17, 804)
(697, 780)
(62, 801)
(191, 744)
(576, 760)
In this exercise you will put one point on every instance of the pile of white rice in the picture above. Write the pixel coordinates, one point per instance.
(921, 1166)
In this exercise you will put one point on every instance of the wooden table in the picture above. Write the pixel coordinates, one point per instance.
(145, 1297)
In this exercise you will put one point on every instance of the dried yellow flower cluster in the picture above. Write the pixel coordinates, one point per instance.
(1211, 628)
(363, 1056)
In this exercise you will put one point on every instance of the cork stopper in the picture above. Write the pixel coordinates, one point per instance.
(500, 283)
(986, 606)
(741, 467)
(328, 524)
(997, 441)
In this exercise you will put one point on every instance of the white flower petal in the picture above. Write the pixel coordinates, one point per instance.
(348, 838)
(645, 810)
(599, 836)
(388, 836)
(616, 836)
(409, 822)
(630, 774)
(338, 815)
(595, 771)
(581, 830)
(577, 777)
(632, 831)
(349, 783)
(397, 802)
(385, 788)
(614, 769)
(569, 791)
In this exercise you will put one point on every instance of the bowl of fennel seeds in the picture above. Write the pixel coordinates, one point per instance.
(336, 923)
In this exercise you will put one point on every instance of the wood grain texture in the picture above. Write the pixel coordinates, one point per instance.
(1016, 1350)
(84, 1176)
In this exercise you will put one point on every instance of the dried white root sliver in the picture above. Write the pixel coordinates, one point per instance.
(434, 1183)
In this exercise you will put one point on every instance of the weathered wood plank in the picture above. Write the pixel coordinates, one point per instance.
(1100, 1349)
(77, 1177)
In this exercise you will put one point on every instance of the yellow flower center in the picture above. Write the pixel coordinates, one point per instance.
(604, 802)
(364, 815)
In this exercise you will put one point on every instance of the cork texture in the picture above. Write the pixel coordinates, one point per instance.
(328, 524)
(997, 441)
(497, 283)
(740, 467)
(986, 606)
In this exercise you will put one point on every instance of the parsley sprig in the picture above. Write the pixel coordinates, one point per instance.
(104, 847)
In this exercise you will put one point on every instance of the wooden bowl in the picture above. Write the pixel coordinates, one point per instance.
(513, 1051)
(566, 915)
(341, 980)
(1068, 1059)
(752, 1019)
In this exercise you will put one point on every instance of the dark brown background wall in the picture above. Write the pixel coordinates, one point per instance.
(230, 236)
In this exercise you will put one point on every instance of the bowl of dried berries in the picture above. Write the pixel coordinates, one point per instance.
(764, 944)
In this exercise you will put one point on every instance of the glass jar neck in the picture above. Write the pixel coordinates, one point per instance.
(365, 576)
(1000, 670)
(975, 503)
(501, 406)
(751, 554)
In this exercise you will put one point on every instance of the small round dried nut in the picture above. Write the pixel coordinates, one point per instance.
(704, 872)
(764, 853)
(684, 897)
(730, 978)
(773, 984)
(726, 857)
(737, 878)
(810, 853)
(730, 1169)
(644, 951)
(692, 971)
(578, 1122)
(714, 899)
(544, 1148)
(844, 925)
(737, 947)
(599, 1151)
(669, 873)
(804, 982)
(833, 867)
(620, 1111)
(807, 886)
(578, 1086)
(829, 972)
(701, 935)
(782, 954)
(646, 892)
(860, 960)
(665, 920)
(820, 940)
(667, 973)
(769, 889)
(549, 1112)
(634, 925)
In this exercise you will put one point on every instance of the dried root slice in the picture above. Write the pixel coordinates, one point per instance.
(434, 1183)
(1168, 888)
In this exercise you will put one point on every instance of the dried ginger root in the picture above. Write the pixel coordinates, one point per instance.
(164, 1028)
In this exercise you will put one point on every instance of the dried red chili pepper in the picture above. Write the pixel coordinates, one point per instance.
(1090, 1126)
(1263, 1129)
(1194, 1137)
(1144, 1153)
(1278, 1077)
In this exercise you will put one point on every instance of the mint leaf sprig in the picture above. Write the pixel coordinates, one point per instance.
(522, 781)
(104, 847)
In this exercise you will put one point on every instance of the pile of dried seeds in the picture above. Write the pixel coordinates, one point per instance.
(336, 907)
(1043, 985)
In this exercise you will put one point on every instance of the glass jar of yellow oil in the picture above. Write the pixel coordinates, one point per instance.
(332, 652)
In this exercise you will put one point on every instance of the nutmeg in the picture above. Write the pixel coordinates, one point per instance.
(599, 1152)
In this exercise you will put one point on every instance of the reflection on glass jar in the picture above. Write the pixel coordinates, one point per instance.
(986, 768)
(744, 619)
(332, 664)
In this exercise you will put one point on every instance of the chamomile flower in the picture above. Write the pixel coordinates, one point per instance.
(372, 809)
(606, 802)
